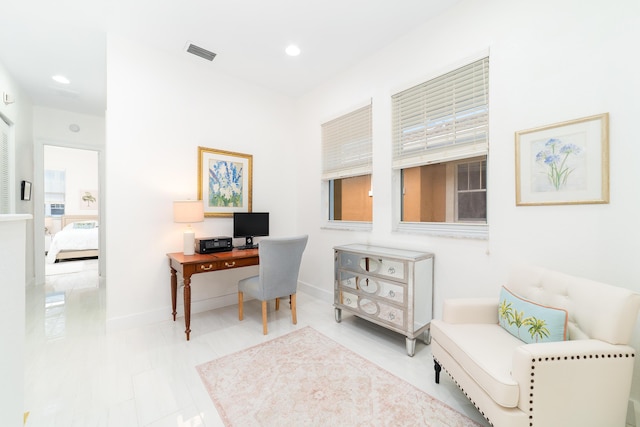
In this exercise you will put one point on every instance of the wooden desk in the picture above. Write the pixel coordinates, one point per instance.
(201, 263)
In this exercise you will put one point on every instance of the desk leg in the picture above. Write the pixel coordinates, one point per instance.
(174, 292)
(187, 306)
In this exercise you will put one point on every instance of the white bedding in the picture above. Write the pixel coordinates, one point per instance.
(70, 238)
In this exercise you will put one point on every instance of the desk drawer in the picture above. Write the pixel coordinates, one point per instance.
(224, 265)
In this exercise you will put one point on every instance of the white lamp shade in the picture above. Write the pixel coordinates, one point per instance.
(188, 211)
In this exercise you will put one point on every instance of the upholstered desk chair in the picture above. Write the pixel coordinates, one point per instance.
(279, 267)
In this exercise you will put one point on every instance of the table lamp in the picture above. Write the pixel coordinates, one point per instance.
(188, 211)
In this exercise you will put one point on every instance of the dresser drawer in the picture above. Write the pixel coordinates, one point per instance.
(373, 286)
(382, 312)
(372, 308)
(374, 266)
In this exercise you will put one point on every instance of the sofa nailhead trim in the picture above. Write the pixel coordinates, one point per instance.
(465, 393)
(546, 359)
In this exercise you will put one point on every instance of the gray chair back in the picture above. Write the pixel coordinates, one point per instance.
(280, 264)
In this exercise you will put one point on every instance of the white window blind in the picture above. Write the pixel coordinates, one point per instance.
(443, 119)
(54, 186)
(5, 180)
(346, 145)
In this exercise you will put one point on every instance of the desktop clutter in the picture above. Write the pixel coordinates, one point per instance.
(247, 225)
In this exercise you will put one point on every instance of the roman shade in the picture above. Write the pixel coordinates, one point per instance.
(346, 145)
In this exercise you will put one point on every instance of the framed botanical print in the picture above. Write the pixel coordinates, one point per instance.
(224, 181)
(564, 163)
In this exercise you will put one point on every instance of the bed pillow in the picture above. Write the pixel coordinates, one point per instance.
(84, 224)
(529, 321)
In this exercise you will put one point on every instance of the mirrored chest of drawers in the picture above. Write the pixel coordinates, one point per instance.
(390, 287)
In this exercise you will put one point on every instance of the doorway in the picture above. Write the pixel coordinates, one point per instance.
(68, 196)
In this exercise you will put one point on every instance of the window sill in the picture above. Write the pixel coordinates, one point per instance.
(459, 230)
(347, 225)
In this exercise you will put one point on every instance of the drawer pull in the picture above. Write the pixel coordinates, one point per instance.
(232, 264)
(392, 270)
(205, 268)
(392, 316)
(392, 294)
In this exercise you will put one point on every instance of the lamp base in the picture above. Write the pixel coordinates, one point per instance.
(189, 241)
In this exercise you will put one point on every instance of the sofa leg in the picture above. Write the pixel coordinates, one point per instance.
(437, 368)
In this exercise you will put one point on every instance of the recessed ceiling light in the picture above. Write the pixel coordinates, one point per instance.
(61, 79)
(292, 50)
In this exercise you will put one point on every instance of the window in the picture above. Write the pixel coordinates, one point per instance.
(440, 144)
(445, 192)
(346, 166)
(54, 192)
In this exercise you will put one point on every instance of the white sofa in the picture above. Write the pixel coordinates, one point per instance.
(584, 381)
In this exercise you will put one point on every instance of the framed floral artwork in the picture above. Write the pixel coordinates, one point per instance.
(224, 182)
(564, 163)
(88, 199)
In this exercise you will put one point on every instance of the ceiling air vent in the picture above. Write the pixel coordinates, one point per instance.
(202, 53)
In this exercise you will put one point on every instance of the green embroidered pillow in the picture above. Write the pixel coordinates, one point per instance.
(87, 224)
(531, 322)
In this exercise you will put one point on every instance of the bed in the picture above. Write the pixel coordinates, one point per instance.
(78, 238)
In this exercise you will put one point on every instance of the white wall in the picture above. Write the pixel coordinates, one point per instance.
(13, 229)
(549, 62)
(160, 109)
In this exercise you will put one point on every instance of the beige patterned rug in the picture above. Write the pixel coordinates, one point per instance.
(306, 379)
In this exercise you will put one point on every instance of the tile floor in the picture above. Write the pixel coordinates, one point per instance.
(78, 375)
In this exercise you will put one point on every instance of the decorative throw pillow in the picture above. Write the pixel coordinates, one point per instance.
(87, 224)
(529, 321)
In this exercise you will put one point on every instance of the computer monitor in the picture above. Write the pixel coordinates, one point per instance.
(250, 225)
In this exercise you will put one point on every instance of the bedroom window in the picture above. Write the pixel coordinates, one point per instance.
(440, 131)
(54, 192)
(346, 167)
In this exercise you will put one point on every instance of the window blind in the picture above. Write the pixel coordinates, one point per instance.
(54, 186)
(346, 145)
(4, 168)
(442, 119)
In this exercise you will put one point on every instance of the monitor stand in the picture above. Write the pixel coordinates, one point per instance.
(248, 243)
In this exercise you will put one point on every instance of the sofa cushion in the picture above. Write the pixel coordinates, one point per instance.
(485, 351)
(529, 321)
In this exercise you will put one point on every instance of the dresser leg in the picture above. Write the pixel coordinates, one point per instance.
(426, 336)
(411, 346)
(338, 313)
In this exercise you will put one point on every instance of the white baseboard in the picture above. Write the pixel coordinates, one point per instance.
(122, 323)
(321, 294)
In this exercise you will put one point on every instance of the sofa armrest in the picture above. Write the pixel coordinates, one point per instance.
(470, 310)
(574, 383)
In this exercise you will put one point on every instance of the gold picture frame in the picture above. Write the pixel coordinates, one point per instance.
(224, 181)
(564, 163)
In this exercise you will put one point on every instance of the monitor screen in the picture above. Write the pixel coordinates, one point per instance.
(250, 224)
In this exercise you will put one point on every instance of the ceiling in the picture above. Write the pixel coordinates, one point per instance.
(39, 39)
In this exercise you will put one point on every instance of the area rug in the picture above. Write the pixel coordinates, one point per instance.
(306, 379)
